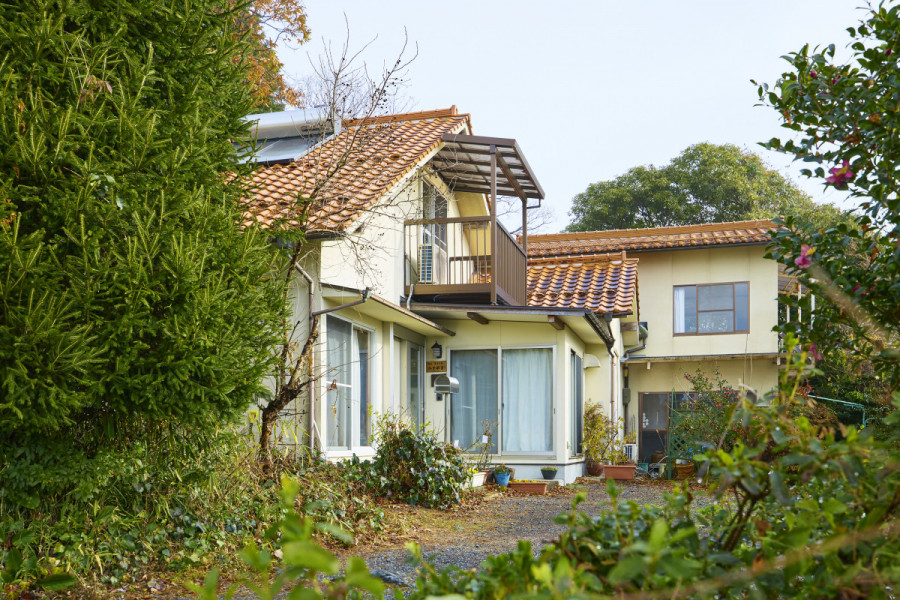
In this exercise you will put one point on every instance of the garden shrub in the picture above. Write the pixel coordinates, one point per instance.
(412, 465)
(174, 499)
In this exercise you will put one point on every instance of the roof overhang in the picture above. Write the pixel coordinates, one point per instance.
(464, 161)
(701, 357)
(383, 310)
(586, 325)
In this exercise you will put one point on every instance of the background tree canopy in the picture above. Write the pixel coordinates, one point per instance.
(706, 183)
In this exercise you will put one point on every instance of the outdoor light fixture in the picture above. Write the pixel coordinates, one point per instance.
(437, 351)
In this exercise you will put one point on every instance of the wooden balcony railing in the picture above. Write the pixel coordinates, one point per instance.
(454, 256)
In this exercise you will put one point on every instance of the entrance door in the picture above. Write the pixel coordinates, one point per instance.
(653, 424)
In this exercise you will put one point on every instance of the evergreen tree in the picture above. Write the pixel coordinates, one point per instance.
(128, 290)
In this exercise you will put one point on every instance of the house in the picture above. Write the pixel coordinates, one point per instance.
(708, 301)
(410, 276)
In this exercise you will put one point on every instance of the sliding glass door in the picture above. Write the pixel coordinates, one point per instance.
(347, 396)
(510, 387)
(527, 400)
(476, 402)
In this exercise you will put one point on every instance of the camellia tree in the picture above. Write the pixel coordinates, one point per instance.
(845, 115)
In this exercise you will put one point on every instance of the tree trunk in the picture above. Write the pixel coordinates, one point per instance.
(298, 380)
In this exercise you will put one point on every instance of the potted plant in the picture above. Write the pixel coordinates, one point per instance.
(479, 455)
(603, 447)
(549, 472)
(501, 475)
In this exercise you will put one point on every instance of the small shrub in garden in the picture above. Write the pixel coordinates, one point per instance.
(414, 466)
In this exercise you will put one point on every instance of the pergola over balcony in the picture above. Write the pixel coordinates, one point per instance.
(479, 258)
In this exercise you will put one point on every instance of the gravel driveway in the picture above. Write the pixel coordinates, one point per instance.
(495, 524)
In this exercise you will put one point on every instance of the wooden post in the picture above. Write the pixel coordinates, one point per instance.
(493, 224)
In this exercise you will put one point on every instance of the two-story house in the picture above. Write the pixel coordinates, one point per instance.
(411, 276)
(708, 301)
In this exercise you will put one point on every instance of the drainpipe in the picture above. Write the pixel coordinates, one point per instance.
(312, 358)
(364, 297)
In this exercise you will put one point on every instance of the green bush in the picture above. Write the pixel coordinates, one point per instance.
(412, 465)
(174, 499)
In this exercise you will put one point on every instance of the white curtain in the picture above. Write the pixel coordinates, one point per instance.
(680, 298)
(476, 401)
(338, 382)
(528, 400)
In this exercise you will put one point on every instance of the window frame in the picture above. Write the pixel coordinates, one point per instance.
(356, 386)
(733, 309)
(499, 432)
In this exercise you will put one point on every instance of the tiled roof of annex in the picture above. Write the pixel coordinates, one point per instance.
(686, 236)
(604, 283)
(348, 174)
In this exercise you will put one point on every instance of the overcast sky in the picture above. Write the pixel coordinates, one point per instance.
(591, 89)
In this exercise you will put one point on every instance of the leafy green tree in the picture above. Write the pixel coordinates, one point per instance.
(845, 119)
(706, 183)
(128, 291)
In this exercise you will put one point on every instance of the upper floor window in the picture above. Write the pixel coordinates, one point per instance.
(712, 308)
(434, 207)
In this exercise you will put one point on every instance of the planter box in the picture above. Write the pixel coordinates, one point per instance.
(619, 472)
(529, 487)
(477, 479)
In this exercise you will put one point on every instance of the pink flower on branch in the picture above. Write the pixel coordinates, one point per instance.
(804, 259)
(814, 352)
(840, 175)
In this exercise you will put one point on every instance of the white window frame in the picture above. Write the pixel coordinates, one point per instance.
(553, 398)
(355, 387)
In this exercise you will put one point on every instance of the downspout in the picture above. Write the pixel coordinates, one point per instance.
(312, 360)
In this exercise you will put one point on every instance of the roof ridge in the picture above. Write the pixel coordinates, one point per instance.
(408, 116)
(651, 231)
(582, 259)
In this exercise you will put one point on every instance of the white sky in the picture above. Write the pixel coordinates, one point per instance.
(591, 89)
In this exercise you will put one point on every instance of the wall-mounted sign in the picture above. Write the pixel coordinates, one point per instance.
(435, 366)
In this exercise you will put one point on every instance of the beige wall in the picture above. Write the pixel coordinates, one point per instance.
(499, 334)
(659, 272)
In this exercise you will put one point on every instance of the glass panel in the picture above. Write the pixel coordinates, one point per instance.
(577, 434)
(654, 411)
(528, 400)
(362, 367)
(414, 388)
(715, 297)
(741, 307)
(718, 321)
(434, 207)
(476, 401)
(685, 309)
(338, 380)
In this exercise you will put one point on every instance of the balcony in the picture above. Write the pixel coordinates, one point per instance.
(453, 260)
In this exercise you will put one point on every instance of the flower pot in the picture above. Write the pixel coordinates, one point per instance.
(619, 472)
(593, 468)
(684, 471)
(477, 479)
(548, 473)
(538, 488)
(502, 479)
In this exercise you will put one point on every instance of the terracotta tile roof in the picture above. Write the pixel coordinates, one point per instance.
(687, 236)
(603, 284)
(348, 174)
